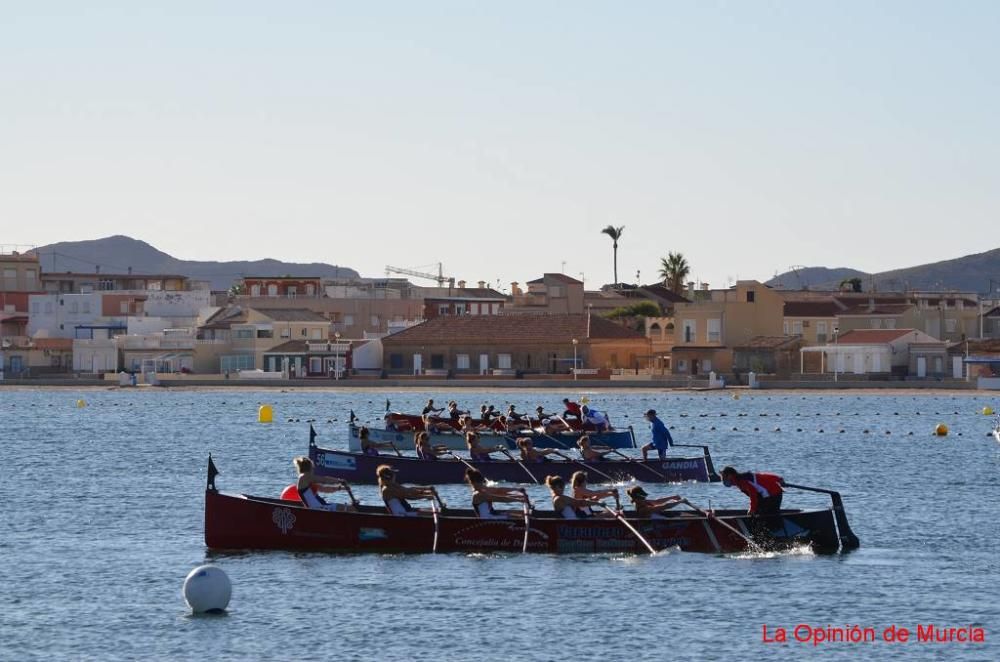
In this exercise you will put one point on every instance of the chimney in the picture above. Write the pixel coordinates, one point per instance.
(514, 289)
(704, 287)
(130, 271)
(690, 285)
(482, 284)
(97, 270)
(461, 284)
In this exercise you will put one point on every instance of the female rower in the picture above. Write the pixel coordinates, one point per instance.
(310, 485)
(425, 451)
(567, 506)
(483, 497)
(433, 425)
(531, 454)
(369, 447)
(580, 491)
(395, 495)
(476, 451)
(590, 452)
(650, 507)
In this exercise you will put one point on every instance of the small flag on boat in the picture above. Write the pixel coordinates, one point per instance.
(312, 435)
(353, 417)
(212, 472)
(387, 404)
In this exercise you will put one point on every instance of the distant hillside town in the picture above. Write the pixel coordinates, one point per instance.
(137, 327)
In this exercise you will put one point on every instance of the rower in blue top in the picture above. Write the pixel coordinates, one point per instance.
(661, 436)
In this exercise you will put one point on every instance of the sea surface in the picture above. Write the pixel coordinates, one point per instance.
(102, 518)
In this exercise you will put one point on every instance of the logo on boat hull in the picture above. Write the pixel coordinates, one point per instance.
(372, 534)
(333, 461)
(284, 519)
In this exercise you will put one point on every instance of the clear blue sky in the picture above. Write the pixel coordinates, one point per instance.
(499, 138)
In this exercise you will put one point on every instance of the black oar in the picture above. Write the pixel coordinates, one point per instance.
(347, 488)
(461, 460)
(586, 466)
(643, 464)
(732, 528)
(628, 526)
(521, 464)
(393, 444)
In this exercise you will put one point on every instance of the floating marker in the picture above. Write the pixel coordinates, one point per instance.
(265, 414)
(207, 589)
(987, 411)
(941, 430)
(80, 404)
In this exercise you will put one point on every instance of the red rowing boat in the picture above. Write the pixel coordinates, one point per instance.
(238, 522)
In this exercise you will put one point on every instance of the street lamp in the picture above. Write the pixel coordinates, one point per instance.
(836, 352)
(336, 357)
(575, 343)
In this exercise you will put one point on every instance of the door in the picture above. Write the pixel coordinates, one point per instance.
(957, 368)
(859, 364)
(15, 365)
(921, 366)
(418, 364)
(484, 364)
(877, 362)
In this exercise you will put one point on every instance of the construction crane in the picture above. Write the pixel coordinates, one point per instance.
(440, 277)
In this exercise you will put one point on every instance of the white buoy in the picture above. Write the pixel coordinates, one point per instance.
(207, 589)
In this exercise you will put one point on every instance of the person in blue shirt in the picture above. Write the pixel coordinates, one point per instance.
(661, 436)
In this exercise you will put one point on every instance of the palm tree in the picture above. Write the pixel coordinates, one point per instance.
(674, 270)
(615, 233)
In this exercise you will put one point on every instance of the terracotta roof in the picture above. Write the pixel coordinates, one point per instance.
(558, 277)
(665, 293)
(485, 329)
(871, 336)
(828, 308)
(879, 309)
(64, 344)
(224, 318)
(291, 314)
(977, 346)
(770, 342)
(469, 293)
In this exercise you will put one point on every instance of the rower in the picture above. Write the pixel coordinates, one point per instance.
(598, 419)
(661, 436)
(590, 452)
(764, 489)
(310, 485)
(531, 454)
(395, 495)
(580, 491)
(516, 421)
(430, 409)
(430, 425)
(484, 496)
(651, 508)
(476, 452)
(425, 451)
(566, 506)
(369, 447)
(454, 412)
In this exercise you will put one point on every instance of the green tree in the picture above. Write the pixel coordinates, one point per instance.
(627, 314)
(850, 285)
(674, 269)
(615, 233)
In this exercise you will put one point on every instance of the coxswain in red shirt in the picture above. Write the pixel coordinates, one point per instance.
(572, 409)
(763, 489)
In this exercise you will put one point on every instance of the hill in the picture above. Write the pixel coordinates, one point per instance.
(972, 273)
(118, 253)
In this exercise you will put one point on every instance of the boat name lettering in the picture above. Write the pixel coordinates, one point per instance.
(681, 464)
(334, 461)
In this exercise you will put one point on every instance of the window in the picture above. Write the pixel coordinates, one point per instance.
(317, 334)
(714, 330)
(462, 362)
(255, 290)
(265, 333)
(272, 290)
(443, 309)
(310, 289)
(292, 291)
(876, 323)
(49, 307)
(106, 285)
(797, 328)
(244, 334)
(682, 365)
(690, 328)
(123, 307)
(750, 296)
(10, 274)
(29, 275)
(437, 361)
(820, 332)
(36, 307)
(503, 361)
(374, 321)
(459, 309)
(786, 328)
(86, 307)
(73, 307)
(949, 326)
(805, 324)
(286, 332)
(396, 361)
(890, 324)
(304, 332)
(555, 291)
(494, 308)
(348, 320)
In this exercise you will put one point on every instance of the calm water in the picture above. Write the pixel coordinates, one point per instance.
(103, 519)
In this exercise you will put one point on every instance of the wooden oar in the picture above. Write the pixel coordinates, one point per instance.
(586, 466)
(434, 513)
(527, 523)
(555, 439)
(393, 444)
(632, 460)
(347, 487)
(750, 542)
(462, 460)
(521, 464)
(628, 526)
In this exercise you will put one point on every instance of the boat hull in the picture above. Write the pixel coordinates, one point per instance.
(456, 441)
(360, 468)
(239, 522)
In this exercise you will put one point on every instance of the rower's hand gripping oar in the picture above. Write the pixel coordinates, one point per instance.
(750, 542)
(347, 488)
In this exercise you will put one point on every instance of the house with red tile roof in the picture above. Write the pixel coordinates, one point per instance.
(508, 344)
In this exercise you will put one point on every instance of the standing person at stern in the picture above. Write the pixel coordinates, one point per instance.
(661, 436)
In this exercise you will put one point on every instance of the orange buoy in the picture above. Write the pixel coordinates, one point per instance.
(290, 493)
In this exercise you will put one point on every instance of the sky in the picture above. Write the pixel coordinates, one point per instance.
(500, 138)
